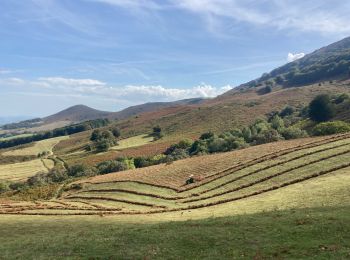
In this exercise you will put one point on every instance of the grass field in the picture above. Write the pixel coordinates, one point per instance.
(134, 141)
(281, 200)
(38, 147)
(14, 137)
(21, 171)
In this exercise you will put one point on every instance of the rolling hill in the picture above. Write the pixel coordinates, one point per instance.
(290, 195)
(75, 114)
(328, 63)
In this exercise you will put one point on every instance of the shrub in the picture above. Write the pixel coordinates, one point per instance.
(247, 134)
(341, 98)
(111, 166)
(80, 170)
(217, 145)
(329, 128)
(321, 109)
(102, 145)
(267, 136)
(277, 122)
(207, 135)
(157, 133)
(177, 154)
(265, 90)
(18, 186)
(287, 111)
(292, 133)
(116, 132)
(199, 147)
(183, 144)
(4, 187)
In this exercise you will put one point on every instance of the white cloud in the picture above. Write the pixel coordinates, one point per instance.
(49, 86)
(293, 57)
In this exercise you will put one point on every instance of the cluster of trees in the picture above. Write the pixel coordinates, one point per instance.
(67, 130)
(102, 140)
(23, 124)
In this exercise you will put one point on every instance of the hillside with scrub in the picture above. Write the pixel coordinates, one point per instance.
(260, 172)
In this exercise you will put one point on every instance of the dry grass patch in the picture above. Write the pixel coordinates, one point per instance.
(22, 171)
(38, 147)
(134, 141)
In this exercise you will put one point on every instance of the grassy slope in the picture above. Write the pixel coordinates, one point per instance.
(134, 141)
(310, 220)
(21, 171)
(228, 111)
(38, 147)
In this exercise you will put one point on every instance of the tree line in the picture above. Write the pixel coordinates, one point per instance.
(63, 131)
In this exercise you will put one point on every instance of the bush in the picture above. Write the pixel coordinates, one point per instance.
(183, 144)
(4, 187)
(199, 147)
(277, 122)
(116, 132)
(157, 133)
(18, 186)
(321, 109)
(103, 140)
(330, 128)
(206, 136)
(81, 170)
(341, 98)
(267, 136)
(292, 133)
(287, 111)
(111, 166)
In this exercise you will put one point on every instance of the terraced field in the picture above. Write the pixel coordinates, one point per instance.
(223, 178)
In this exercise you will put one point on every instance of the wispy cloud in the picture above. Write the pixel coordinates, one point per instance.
(309, 15)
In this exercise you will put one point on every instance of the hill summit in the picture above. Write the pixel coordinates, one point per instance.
(76, 113)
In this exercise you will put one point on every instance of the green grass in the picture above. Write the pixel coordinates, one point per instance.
(318, 233)
(134, 141)
(38, 147)
(15, 137)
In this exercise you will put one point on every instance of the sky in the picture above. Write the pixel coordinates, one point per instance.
(111, 54)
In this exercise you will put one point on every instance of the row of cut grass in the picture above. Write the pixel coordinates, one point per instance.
(270, 167)
(265, 184)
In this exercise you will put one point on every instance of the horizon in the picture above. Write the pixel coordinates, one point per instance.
(112, 54)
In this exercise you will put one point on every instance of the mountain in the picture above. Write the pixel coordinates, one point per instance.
(76, 113)
(154, 106)
(328, 63)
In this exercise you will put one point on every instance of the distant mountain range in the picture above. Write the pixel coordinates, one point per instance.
(80, 113)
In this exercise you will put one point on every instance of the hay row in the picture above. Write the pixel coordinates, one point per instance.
(101, 213)
(265, 178)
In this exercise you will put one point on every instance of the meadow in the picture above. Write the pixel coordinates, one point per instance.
(134, 141)
(24, 170)
(38, 147)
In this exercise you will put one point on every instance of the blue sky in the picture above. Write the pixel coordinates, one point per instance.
(110, 54)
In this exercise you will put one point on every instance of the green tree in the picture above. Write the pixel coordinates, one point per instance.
(321, 109)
